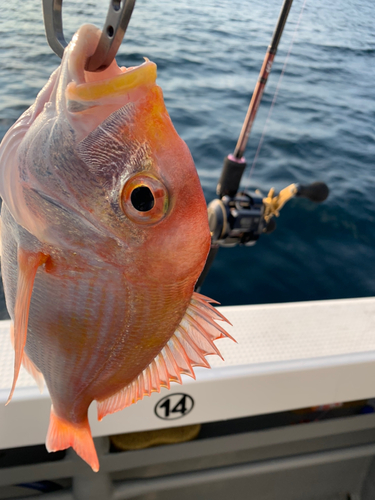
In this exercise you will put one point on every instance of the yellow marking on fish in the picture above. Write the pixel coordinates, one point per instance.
(144, 74)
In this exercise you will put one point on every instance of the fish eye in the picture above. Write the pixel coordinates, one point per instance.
(144, 198)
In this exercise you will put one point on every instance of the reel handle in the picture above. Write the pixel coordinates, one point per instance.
(317, 191)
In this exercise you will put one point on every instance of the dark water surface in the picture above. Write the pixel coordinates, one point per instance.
(322, 128)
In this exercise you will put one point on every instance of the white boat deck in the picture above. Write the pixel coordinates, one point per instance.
(288, 356)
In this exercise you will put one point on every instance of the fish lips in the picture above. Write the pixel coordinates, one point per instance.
(88, 98)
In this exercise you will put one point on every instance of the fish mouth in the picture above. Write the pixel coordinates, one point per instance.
(90, 87)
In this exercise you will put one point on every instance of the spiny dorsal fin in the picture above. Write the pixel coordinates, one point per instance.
(188, 346)
(28, 263)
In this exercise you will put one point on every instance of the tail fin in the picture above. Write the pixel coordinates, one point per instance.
(63, 434)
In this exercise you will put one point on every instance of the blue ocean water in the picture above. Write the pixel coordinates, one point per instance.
(322, 127)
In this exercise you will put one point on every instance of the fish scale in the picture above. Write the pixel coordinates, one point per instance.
(111, 344)
(100, 287)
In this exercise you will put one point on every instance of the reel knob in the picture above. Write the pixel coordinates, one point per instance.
(317, 191)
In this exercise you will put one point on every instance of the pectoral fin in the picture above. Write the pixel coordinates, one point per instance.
(33, 371)
(28, 264)
(29, 365)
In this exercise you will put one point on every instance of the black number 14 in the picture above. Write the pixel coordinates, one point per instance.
(180, 407)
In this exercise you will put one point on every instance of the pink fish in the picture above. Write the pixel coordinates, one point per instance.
(104, 235)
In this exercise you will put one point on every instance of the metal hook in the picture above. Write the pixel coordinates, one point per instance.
(113, 32)
(53, 26)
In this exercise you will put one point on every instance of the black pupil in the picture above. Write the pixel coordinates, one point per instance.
(142, 199)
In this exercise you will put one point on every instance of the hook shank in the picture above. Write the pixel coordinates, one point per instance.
(53, 26)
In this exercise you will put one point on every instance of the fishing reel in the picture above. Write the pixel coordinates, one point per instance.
(242, 218)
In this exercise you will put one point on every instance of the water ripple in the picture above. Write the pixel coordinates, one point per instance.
(208, 56)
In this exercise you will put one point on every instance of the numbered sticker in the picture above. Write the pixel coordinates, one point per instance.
(174, 406)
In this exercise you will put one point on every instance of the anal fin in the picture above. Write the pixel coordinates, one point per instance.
(188, 347)
(28, 263)
(63, 434)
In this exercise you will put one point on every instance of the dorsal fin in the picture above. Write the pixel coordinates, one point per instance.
(28, 263)
(188, 346)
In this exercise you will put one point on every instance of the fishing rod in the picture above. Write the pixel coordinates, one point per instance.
(239, 218)
(235, 164)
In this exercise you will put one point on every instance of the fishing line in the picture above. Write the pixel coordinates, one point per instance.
(276, 92)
